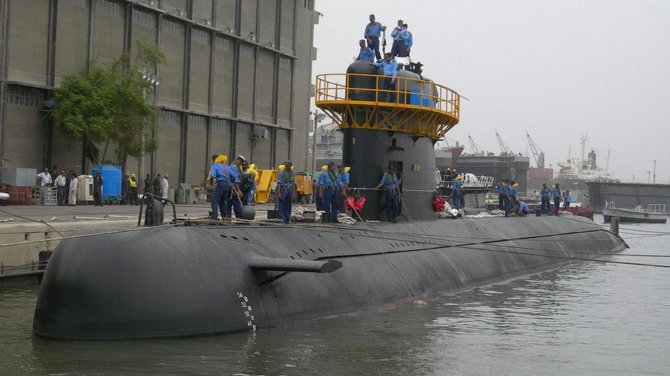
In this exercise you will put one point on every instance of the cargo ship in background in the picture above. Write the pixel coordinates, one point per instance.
(577, 172)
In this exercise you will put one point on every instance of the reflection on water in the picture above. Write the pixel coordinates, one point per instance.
(587, 319)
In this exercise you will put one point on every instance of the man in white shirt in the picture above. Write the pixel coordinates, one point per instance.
(45, 177)
(164, 187)
(60, 185)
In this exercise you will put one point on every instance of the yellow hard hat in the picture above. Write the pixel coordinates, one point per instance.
(292, 167)
(347, 169)
(515, 185)
(133, 176)
(282, 167)
(324, 168)
(459, 177)
(221, 159)
(252, 166)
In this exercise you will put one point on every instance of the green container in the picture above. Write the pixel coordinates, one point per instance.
(179, 195)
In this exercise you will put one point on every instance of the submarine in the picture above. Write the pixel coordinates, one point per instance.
(188, 279)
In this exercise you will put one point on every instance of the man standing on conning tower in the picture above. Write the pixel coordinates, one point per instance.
(373, 31)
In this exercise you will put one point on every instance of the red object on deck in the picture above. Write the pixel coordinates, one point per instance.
(438, 203)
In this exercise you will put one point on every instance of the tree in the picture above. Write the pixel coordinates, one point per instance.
(111, 105)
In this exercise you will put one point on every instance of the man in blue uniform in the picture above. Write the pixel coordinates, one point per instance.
(390, 74)
(343, 175)
(456, 194)
(391, 185)
(501, 197)
(507, 197)
(329, 184)
(545, 195)
(522, 210)
(372, 33)
(285, 188)
(398, 42)
(556, 192)
(222, 173)
(407, 42)
(366, 53)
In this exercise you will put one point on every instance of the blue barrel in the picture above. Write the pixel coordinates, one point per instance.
(111, 181)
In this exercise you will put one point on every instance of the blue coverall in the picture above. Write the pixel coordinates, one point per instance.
(344, 184)
(389, 183)
(557, 198)
(545, 194)
(330, 183)
(285, 184)
(388, 85)
(456, 194)
(234, 201)
(507, 192)
(220, 172)
(372, 33)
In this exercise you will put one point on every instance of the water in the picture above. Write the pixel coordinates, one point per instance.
(582, 319)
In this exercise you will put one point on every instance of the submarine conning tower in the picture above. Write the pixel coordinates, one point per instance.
(389, 127)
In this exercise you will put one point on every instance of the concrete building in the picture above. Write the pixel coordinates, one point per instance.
(237, 78)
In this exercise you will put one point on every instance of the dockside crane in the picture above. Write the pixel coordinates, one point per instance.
(538, 155)
(504, 150)
(473, 145)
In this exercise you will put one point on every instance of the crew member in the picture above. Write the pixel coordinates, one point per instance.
(132, 191)
(248, 184)
(522, 208)
(556, 192)
(366, 53)
(545, 195)
(567, 200)
(285, 189)
(343, 175)
(372, 33)
(389, 182)
(406, 47)
(235, 200)
(390, 74)
(220, 174)
(507, 197)
(329, 184)
(318, 198)
(456, 194)
(501, 196)
(515, 190)
(398, 42)
(60, 188)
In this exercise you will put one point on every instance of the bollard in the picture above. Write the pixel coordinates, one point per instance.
(614, 225)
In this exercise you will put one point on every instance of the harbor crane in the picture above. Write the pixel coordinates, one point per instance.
(473, 145)
(504, 150)
(538, 155)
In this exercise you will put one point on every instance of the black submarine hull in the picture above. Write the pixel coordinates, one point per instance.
(204, 280)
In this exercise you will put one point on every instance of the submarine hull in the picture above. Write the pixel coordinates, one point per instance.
(204, 280)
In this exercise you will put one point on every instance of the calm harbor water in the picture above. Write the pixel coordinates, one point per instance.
(582, 319)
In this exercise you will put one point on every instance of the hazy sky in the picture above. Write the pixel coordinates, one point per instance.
(557, 68)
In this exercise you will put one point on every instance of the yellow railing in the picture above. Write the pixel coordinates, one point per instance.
(411, 93)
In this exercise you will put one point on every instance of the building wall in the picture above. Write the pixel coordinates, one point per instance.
(237, 78)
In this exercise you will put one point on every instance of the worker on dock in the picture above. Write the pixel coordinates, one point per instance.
(390, 73)
(556, 193)
(133, 199)
(545, 195)
(221, 175)
(366, 53)
(97, 189)
(391, 185)
(329, 186)
(372, 33)
(285, 190)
